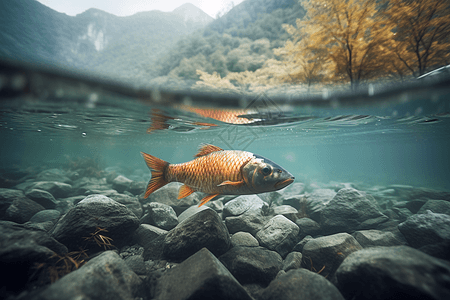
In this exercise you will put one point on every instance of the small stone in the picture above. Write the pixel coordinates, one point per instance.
(121, 183)
(292, 261)
(162, 215)
(45, 215)
(287, 211)
(373, 238)
(244, 239)
(42, 197)
(279, 234)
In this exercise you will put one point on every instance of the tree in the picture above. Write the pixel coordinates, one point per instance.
(422, 33)
(347, 35)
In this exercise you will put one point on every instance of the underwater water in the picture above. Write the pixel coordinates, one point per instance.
(369, 167)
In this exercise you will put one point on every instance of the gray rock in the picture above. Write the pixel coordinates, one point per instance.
(21, 210)
(292, 261)
(162, 215)
(57, 189)
(425, 229)
(168, 195)
(373, 238)
(201, 276)
(402, 213)
(154, 249)
(121, 183)
(53, 175)
(145, 234)
(325, 254)
(21, 248)
(106, 276)
(381, 272)
(242, 204)
(7, 197)
(131, 202)
(350, 210)
(96, 211)
(436, 206)
(190, 212)
(301, 284)
(252, 264)
(137, 187)
(311, 204)
(279, 234)
(46, 215)
(308, 227)
(202, 230)
(302, 243)
(136, 264)
(287, 211)
(41, 197)
(244, 239)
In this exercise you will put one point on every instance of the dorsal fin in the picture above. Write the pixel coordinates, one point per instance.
(207, 149)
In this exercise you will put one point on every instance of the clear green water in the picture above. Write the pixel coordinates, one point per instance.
(400, 139)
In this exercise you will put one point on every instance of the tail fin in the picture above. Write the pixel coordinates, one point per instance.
(158, 168)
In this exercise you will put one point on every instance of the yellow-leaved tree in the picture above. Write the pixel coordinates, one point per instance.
(422, 33)
(340, 40)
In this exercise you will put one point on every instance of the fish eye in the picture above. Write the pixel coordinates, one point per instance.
(266, 170)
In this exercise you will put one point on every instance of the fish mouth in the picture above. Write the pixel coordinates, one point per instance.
(282, 184)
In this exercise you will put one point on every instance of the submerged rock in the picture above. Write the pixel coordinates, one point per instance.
(382, 272)
(350, 210)
(45, 216)
(201, 276)
(301, 284)
(373, 238)
(325, 254)
(57, 189)
(75, 229)
(424, 229)
(202, 230)
(436, 206)
(244, 239)
(21, 210)
(42, 197)
(121, 183)
(279, 234)
(106, 276)
(162, 215)
(245, 213)
(252, 264)
(292, 261)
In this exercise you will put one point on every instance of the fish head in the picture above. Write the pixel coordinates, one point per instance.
(263, 175)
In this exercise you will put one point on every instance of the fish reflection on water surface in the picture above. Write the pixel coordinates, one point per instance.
(215, 172)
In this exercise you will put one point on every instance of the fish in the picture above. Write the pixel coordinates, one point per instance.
(215, 171)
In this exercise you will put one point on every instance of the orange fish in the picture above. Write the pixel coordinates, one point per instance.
(215, 172)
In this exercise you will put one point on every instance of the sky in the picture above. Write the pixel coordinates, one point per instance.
(130, 7)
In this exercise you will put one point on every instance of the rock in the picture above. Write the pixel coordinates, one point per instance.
(308, 226)
(145, 234)
(136, 264)
(190, 212)
(402, 213)
(252, 264)
(21, 248)
(57, 189)
(425, 229)
(373, 238)
(302, 243)
(311, 204)
(121, 183)
(382, 272)
(350, 210)
(132, 203)
(162, 215)
(202, 230)
(154, 248)
(287, 211)
(436, 206)
(279, 234)
(42, 197)
(201, 276)
(301, 284)
(45, 215)
(137, 187)
(242, 204)
(244, 239)
(278, 197)
(92, 213)
(407, 193)
(325, 254)
(245, 213)
(21, 210)
(7, 197)
(53, 175)
(292, 261)
(168, 195)
(106, 276)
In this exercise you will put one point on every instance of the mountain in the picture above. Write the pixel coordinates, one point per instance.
(94, 40)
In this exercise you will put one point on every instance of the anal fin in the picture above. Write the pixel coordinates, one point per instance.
(184, 191)
(207, 198)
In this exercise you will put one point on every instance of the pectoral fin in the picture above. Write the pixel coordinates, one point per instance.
(184, 191)
(232, 183)
(207, 198)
